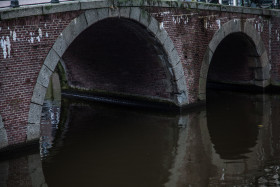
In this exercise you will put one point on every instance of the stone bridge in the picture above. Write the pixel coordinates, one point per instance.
(160, 51)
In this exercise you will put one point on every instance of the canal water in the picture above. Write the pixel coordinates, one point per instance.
(232, 141)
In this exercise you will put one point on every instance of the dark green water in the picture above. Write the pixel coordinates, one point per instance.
(233, 141)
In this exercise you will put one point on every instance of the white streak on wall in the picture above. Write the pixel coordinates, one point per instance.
(47, 35)
(8, 44)
(218, 23)
(14, 36)
(161, 26)
(40, 33)
(38, 38)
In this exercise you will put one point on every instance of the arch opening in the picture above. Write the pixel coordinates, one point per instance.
(233, 62)
(118, 56)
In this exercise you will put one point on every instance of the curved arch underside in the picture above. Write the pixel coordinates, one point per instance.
(172, 65)
(119, 55)
(241, 45)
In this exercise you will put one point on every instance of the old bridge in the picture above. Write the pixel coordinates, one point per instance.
(163, 51)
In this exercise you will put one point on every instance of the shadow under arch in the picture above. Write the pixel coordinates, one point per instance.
(74, 29)
(257, 60)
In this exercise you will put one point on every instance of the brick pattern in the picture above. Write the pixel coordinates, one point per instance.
(25, 42)
(191, 32)
(275, 46)
(30, 41)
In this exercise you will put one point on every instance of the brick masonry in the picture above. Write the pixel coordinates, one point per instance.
(26, 41)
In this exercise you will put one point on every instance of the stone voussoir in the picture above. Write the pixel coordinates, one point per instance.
(34, 115)
(38, 94)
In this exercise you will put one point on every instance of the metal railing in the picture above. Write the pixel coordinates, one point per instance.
(247, 3)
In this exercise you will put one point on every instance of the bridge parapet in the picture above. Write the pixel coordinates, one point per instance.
(43, 9)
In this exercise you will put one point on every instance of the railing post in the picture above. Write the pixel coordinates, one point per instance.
(54, 1)
(14, 3)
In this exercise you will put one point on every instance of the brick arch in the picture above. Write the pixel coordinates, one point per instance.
(76, 27)
(261, 65)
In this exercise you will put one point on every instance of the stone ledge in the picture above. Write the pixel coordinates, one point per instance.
(209, 6)
(41, 9)
(61, 7)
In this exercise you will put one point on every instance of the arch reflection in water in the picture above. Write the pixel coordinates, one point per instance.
(230, 144)
(100, 145)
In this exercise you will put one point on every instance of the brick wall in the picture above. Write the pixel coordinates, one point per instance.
(275, 46)
(191, 32)
(27, 42)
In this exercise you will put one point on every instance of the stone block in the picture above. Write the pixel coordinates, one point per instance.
(275, 13)
(44, 76)
(60, 46)
(76, 26)
(162, 36)
(208, 6)
(124, 12)
(231, 27)
(252, 32)
(168, 45)
(190, 5)
(103, 13)
(263, 60)
(25, 11)
(3, 138)
(114, 12)
(35, 111)
(262, 83)
(135, 13)
(262, 73)
(181, 85)
(236, 9)
(257, 11)
(164, 4)
(266, 12)
(202, 88)
(91, 16)
(89, 4)
(61, 7)
(260, 47)
(52, 59)
(178, 71)
(39, 94)
(182, 98)
(174, 57)
(153, 26)
(145, 18)
(33, 131)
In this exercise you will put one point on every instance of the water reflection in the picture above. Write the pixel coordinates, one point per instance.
(234, 142)
(49, 125)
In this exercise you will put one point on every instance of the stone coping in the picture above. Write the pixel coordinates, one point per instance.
(42, 9)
